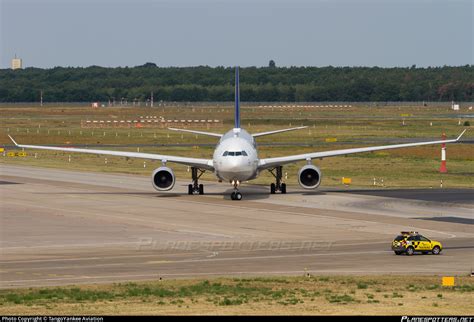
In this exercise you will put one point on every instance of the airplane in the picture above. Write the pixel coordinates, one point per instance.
(235, 158)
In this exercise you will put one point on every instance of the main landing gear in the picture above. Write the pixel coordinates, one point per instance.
(236, 195)
(278, 185)
(195, 188)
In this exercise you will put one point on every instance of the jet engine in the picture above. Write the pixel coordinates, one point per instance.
(309, 177)
(163, 179)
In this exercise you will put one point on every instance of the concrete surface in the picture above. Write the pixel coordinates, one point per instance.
(67, 227)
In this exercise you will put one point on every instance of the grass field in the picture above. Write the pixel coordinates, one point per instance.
(360, 295)
(356, 126)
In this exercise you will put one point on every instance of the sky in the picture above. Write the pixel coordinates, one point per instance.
(385, 33)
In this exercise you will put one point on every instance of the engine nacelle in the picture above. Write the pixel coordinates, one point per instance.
(163, 179)
(309, 177)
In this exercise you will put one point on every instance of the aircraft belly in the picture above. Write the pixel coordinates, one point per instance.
(236, 175)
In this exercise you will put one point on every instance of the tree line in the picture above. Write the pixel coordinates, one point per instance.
(258, 84)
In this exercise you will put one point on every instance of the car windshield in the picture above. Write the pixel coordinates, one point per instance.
(399, 237)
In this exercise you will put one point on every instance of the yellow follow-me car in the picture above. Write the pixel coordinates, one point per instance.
(409, 242)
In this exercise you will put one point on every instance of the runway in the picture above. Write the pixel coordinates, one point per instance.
(68, 227)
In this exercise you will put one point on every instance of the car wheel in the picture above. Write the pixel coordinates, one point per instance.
(398, 253)
(410, 251)
(436, 250)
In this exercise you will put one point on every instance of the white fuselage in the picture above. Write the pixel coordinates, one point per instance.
(235, 157)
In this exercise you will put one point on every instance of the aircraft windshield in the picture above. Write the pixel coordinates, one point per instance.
(235, 153)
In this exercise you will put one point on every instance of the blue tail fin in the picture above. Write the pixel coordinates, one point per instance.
(237, 99)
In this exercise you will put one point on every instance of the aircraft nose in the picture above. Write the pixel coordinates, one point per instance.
(234, 164)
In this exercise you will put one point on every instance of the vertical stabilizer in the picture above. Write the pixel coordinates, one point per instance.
(237, 99)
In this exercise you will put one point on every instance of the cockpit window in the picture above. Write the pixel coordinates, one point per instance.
(236, 153)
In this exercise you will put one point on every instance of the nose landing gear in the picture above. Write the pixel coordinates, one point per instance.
(195, 188)
(278, 185)
(236, 195)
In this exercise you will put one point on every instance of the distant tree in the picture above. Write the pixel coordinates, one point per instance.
(148, 65)
(204, 83)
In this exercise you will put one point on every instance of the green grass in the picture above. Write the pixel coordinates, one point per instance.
(397, 295)
(282, 294)
(228, 291)
(343, 299)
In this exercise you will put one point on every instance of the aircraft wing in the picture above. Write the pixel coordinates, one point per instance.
(193, 162)
(196, 132)
(278, 131)
(272, 162)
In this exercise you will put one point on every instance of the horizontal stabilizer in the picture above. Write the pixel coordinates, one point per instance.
(278, 131)
(196, 132)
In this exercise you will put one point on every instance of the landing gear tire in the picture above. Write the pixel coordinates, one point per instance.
(283, 188)
(272, 188)
(201, 189)
(190, 189)
(236, 195)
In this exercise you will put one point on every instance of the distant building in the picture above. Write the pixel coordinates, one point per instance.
(17, 63)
